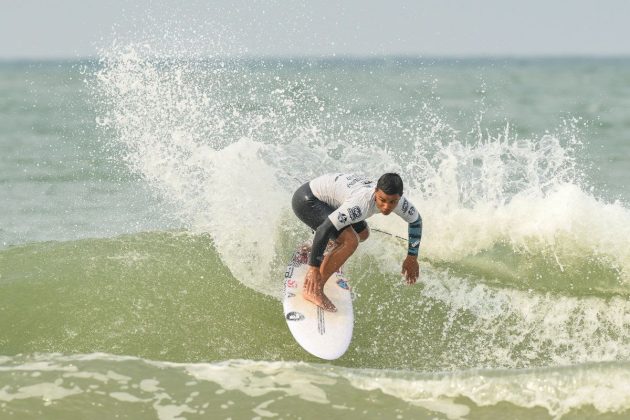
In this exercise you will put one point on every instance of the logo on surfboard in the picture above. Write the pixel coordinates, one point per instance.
(294, 316)
(343, 284)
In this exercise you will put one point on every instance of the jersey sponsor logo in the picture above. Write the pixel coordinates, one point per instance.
(412, 211)
(342, 218)
(354, 212)
(290, 295)
(292, 283)
(405, 205)
(294, 316)
(352, 179)
(289, 272)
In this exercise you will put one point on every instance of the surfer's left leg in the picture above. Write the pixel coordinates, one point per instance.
(364, 234)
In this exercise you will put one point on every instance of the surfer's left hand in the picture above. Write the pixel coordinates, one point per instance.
(410, 269)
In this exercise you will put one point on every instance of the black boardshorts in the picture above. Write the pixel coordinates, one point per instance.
(313, 211)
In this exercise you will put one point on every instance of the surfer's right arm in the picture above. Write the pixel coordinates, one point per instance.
(320, 241)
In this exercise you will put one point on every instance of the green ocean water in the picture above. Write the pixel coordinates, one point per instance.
(145, 225)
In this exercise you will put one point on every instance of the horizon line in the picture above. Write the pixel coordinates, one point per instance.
(357, 57)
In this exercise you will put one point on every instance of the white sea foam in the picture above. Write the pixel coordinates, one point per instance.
(47, 391)
(220, 167)
(260, 387)
(520, 328)
(231, 172)
(260, 378)
(558, 391)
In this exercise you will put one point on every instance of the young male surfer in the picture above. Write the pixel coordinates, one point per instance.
(336, 206)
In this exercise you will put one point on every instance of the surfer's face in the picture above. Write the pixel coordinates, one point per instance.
(384, 202)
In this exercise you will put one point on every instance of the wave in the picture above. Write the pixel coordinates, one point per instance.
(129, 386)
(170, 296)
(162, 295)
(523, 264)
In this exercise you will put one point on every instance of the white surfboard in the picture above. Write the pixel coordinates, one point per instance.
(324, 334)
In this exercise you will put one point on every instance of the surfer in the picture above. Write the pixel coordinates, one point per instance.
(335, 206)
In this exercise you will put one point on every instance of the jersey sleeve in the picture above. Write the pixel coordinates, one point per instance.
(348, 213)
(406, 210)
(410, 214)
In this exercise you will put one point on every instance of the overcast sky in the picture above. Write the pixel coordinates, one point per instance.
(79, 28)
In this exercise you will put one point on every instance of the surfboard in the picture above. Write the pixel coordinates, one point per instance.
(324, 334)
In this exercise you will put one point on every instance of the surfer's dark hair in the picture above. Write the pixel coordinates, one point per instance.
(390, 184)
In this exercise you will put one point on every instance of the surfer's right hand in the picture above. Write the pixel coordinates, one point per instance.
(313, 282)
(313, 272)
(314, 290)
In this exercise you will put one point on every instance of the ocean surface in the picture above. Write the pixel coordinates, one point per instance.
(145, 224)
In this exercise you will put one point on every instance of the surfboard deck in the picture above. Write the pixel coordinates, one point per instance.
(324, 334)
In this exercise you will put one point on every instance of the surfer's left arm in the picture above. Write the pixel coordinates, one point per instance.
(410, 267)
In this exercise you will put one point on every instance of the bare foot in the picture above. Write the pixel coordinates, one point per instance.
(321, 300)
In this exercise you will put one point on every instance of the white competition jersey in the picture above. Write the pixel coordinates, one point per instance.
(353, 198)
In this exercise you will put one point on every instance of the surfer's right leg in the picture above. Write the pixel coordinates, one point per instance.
(347, 242)
(312, 211)
(344, 246)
